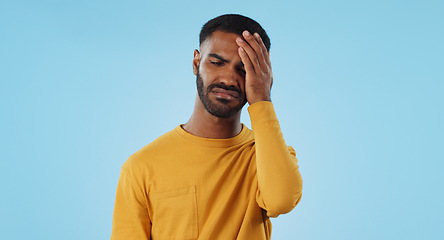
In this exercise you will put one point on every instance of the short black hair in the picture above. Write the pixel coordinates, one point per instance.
(233, 23)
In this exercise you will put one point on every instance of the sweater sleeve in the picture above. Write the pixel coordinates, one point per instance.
(279, 180)
(130, 219)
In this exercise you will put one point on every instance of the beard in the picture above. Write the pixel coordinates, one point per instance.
(221, 108)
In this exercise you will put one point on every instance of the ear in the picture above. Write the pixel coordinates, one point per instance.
(196, 61)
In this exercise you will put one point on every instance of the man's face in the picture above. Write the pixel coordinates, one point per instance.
(220, 75)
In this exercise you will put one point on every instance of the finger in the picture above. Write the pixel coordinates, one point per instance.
(264, 49)
(248, 66)
(250, 53)
(255, 43)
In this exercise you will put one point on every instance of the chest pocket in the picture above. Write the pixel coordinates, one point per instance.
(174, 214)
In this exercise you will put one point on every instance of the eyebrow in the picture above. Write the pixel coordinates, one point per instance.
(215, 55)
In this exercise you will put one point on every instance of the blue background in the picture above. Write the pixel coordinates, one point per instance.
(358, 88)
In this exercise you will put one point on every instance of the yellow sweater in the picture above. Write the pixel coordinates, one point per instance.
(182, 186)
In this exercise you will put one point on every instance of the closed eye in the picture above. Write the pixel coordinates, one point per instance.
(217, 63)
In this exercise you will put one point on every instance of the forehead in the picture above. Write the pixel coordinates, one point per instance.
(220, 42)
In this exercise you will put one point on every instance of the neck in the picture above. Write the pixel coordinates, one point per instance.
(203, 124)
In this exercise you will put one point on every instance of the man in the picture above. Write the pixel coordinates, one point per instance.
(213, 178)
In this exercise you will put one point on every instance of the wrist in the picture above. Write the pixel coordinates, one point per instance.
(254, 100)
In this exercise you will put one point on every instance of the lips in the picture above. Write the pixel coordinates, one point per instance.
(227, 94)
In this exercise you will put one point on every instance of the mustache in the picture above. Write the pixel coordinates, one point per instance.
(225, 87)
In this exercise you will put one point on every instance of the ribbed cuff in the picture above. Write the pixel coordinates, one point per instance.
(261, 112)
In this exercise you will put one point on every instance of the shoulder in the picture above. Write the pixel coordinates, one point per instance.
(153, 150)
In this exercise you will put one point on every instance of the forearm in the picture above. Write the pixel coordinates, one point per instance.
(279, 180)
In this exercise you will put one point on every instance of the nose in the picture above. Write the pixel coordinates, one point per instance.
(230, 77)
